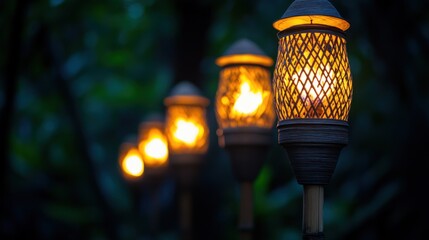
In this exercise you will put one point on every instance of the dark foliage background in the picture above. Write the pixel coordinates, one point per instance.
(77, 77)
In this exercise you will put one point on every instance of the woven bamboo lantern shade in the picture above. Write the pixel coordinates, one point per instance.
(313, 94)
(312, 77)
(186, 124)
(153, 143)
(244, 96)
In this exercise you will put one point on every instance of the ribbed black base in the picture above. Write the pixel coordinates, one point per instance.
(247, 148)
(185, 169)
(247, 161)
(154, 177)
(313, 147)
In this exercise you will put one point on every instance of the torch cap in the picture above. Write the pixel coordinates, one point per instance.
(308, 12)
(244, 51)
(154, 117)
(185, 93)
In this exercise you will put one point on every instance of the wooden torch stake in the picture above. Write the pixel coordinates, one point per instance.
(246, 211)
(185, 215)
(313, 212)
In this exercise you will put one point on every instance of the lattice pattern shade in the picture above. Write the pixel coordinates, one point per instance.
(153, 144)
(312, 76)
(244, 97)
(186, 129)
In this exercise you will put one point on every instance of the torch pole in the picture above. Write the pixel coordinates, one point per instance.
(313, 212)
(185, 215)
(246, 211)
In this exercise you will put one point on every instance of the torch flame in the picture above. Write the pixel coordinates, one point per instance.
(154, 147)
(186, 131)
(314, 85)
(248, 101)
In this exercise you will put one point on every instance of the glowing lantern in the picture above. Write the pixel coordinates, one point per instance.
(313, 95)
(186, 126)
(187, 133)
(244, 97)
(312, 77)
(153, 143)
(312, 82)
(245, 114)
(130, 161)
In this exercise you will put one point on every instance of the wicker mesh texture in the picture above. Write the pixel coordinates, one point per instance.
(244, 97)
(312, 77)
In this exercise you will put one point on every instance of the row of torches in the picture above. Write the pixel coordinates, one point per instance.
(244, 98)
(310, 94)
(184, 131)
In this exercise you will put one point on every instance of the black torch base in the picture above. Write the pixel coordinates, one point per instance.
(247, 147)
(154, 177)
(185, 169)
(313, 147)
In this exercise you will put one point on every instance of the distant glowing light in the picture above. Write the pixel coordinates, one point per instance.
(133, 163)
(153, 147)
